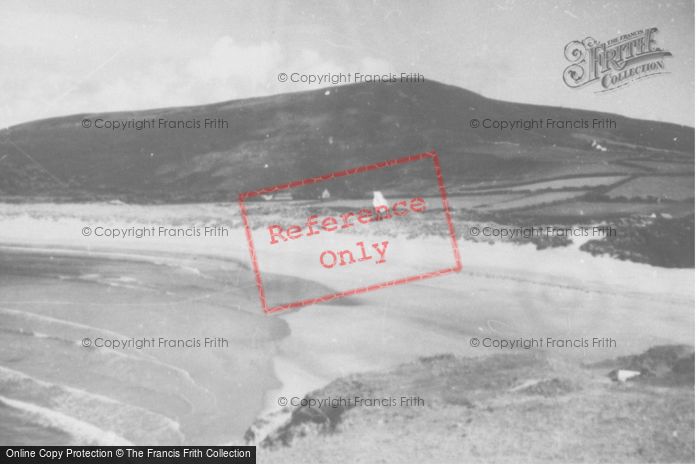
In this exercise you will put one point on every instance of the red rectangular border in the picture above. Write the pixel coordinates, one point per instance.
(312, 180)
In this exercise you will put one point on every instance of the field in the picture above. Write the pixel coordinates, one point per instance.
(562, 183)
(664, 188)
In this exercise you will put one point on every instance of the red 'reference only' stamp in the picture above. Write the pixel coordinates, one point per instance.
(346, 243)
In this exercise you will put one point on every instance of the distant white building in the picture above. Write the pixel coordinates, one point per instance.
(379, 200)
(623, 375)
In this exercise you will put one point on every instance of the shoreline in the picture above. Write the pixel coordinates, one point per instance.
(225, 385)
(505, 290)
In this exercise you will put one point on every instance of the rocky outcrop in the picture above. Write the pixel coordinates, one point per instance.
(663, 365)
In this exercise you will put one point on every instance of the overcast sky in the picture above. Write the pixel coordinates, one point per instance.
(65, 57)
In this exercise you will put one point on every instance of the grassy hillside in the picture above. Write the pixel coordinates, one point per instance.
(502, 408)
(286, 137)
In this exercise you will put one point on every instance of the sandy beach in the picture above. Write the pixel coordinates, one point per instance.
(196, 287)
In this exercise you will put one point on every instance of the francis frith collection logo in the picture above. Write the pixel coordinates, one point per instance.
(615, 63)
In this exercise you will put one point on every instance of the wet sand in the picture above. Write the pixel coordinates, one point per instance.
(51, 300)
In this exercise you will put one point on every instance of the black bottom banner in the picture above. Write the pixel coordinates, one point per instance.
(129, 454)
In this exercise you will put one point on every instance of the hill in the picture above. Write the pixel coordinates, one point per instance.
(280, 138)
